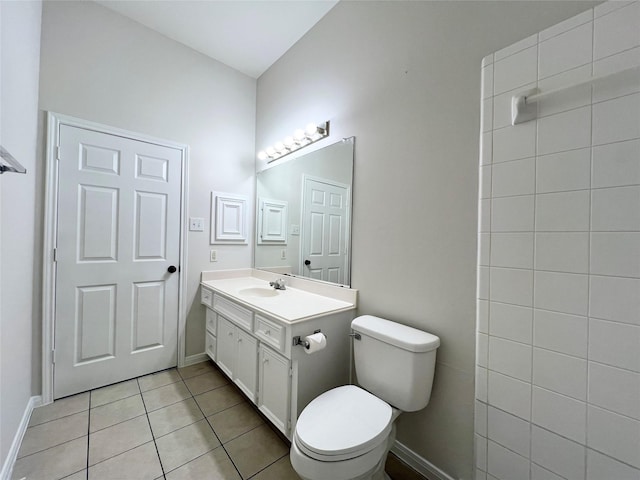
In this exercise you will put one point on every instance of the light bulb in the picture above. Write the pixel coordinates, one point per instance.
(280, 147)
(311, 129)
(270, 151)
(262, 155)
(298, 134)
(288, 142)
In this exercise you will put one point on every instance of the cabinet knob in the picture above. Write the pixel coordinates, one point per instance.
(265, 360)
(267, 332)
(230, 334)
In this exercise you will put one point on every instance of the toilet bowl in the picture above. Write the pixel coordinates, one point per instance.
(366, 432)
(347, 432)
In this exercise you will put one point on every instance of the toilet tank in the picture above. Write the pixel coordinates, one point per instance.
(394, 362)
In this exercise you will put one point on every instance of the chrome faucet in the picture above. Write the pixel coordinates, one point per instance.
(278, 284)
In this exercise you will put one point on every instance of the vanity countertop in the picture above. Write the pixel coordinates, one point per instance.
(299, 302)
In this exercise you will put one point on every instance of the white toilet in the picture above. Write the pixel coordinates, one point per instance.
(346, 433)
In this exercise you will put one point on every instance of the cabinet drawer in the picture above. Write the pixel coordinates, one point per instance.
(270, 332)
(239, 315)
(211, 321)
(206, 297)
(210, 346)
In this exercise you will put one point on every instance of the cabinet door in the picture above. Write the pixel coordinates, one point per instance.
(275, 388)
(246, 371)
(226, 346)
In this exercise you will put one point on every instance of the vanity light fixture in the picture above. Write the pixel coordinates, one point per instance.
(300, 139)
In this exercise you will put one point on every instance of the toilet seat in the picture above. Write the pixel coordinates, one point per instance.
(343, 423)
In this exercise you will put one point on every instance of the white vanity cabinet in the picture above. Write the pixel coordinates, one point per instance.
(254, 348)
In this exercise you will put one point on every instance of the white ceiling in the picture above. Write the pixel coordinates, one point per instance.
(244, 34)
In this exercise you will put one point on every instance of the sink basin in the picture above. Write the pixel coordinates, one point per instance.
(263, 292)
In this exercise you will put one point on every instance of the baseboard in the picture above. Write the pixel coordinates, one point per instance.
(197, 358)
(419, 464)
(7, 467)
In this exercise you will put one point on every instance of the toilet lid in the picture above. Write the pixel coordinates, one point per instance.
(343, 420)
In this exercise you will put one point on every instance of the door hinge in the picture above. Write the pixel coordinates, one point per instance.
(291, 372)
(53, 356)
(55, 254)
(57, 153)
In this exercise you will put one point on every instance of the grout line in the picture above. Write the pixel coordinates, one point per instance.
(89, 435)
(151, 431)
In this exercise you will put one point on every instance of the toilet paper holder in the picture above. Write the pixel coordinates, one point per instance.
(297, 340)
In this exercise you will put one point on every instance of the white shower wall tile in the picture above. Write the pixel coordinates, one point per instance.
(562, 252)
(558, 454)
(505, 464)
(614, 435)
(615, 344)
(604, 379)
(615, 209)
(509, 285)
(615, 253)
(600, 466)
(616, 164)
(482, 346)
(565, 131)
(509, 431)
(563, 52)
(616, 120)
(560, 414)
(481, 452)
(510, 358)
(512, 214)
(560, 332)
(617, 31)
(511, 322)
(561, 172)
(615, 298)
(513, 178)
(561, 292)
(559, 322)
(563, 212)
(514, 143)
(513, 250)
(569, 24)
(560, 373)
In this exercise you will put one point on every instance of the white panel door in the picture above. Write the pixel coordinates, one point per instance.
(324, 230)
(118, 240)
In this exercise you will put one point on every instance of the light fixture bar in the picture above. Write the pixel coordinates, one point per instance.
(300, 139)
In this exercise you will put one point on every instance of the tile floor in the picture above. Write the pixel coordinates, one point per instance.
(178, 424)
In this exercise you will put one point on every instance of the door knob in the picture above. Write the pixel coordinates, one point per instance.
(307, 262)
(172, 269)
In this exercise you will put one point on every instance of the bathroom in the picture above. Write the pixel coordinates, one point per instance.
(404, 78)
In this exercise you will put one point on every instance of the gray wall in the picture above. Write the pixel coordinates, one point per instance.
(404, 79)
(100, 66)
(20, 45)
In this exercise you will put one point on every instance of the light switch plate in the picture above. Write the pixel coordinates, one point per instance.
(196, 224)
(295, 229)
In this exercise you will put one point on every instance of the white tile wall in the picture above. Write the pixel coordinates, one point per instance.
(558, 375)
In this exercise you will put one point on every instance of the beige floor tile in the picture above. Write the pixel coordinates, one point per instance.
(214, 465)
(109, 394)
(280, 470)
(205, 382)
(167, 419)
(197, 369)
(219, 399)
(141, 463)
(182, 446)
(163, 396)
(255, 450)
(60, 408)
(54, 463)
(46, 435)
(119, 438)
(81, 475)
(234, 421)
(115, 412)
(160, 379)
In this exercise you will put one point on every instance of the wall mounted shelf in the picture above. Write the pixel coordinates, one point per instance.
(13, 164)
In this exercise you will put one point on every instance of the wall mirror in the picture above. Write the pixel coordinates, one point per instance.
(304, 215)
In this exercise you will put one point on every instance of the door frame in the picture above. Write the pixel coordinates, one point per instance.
(54, 122)
(347, 239)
